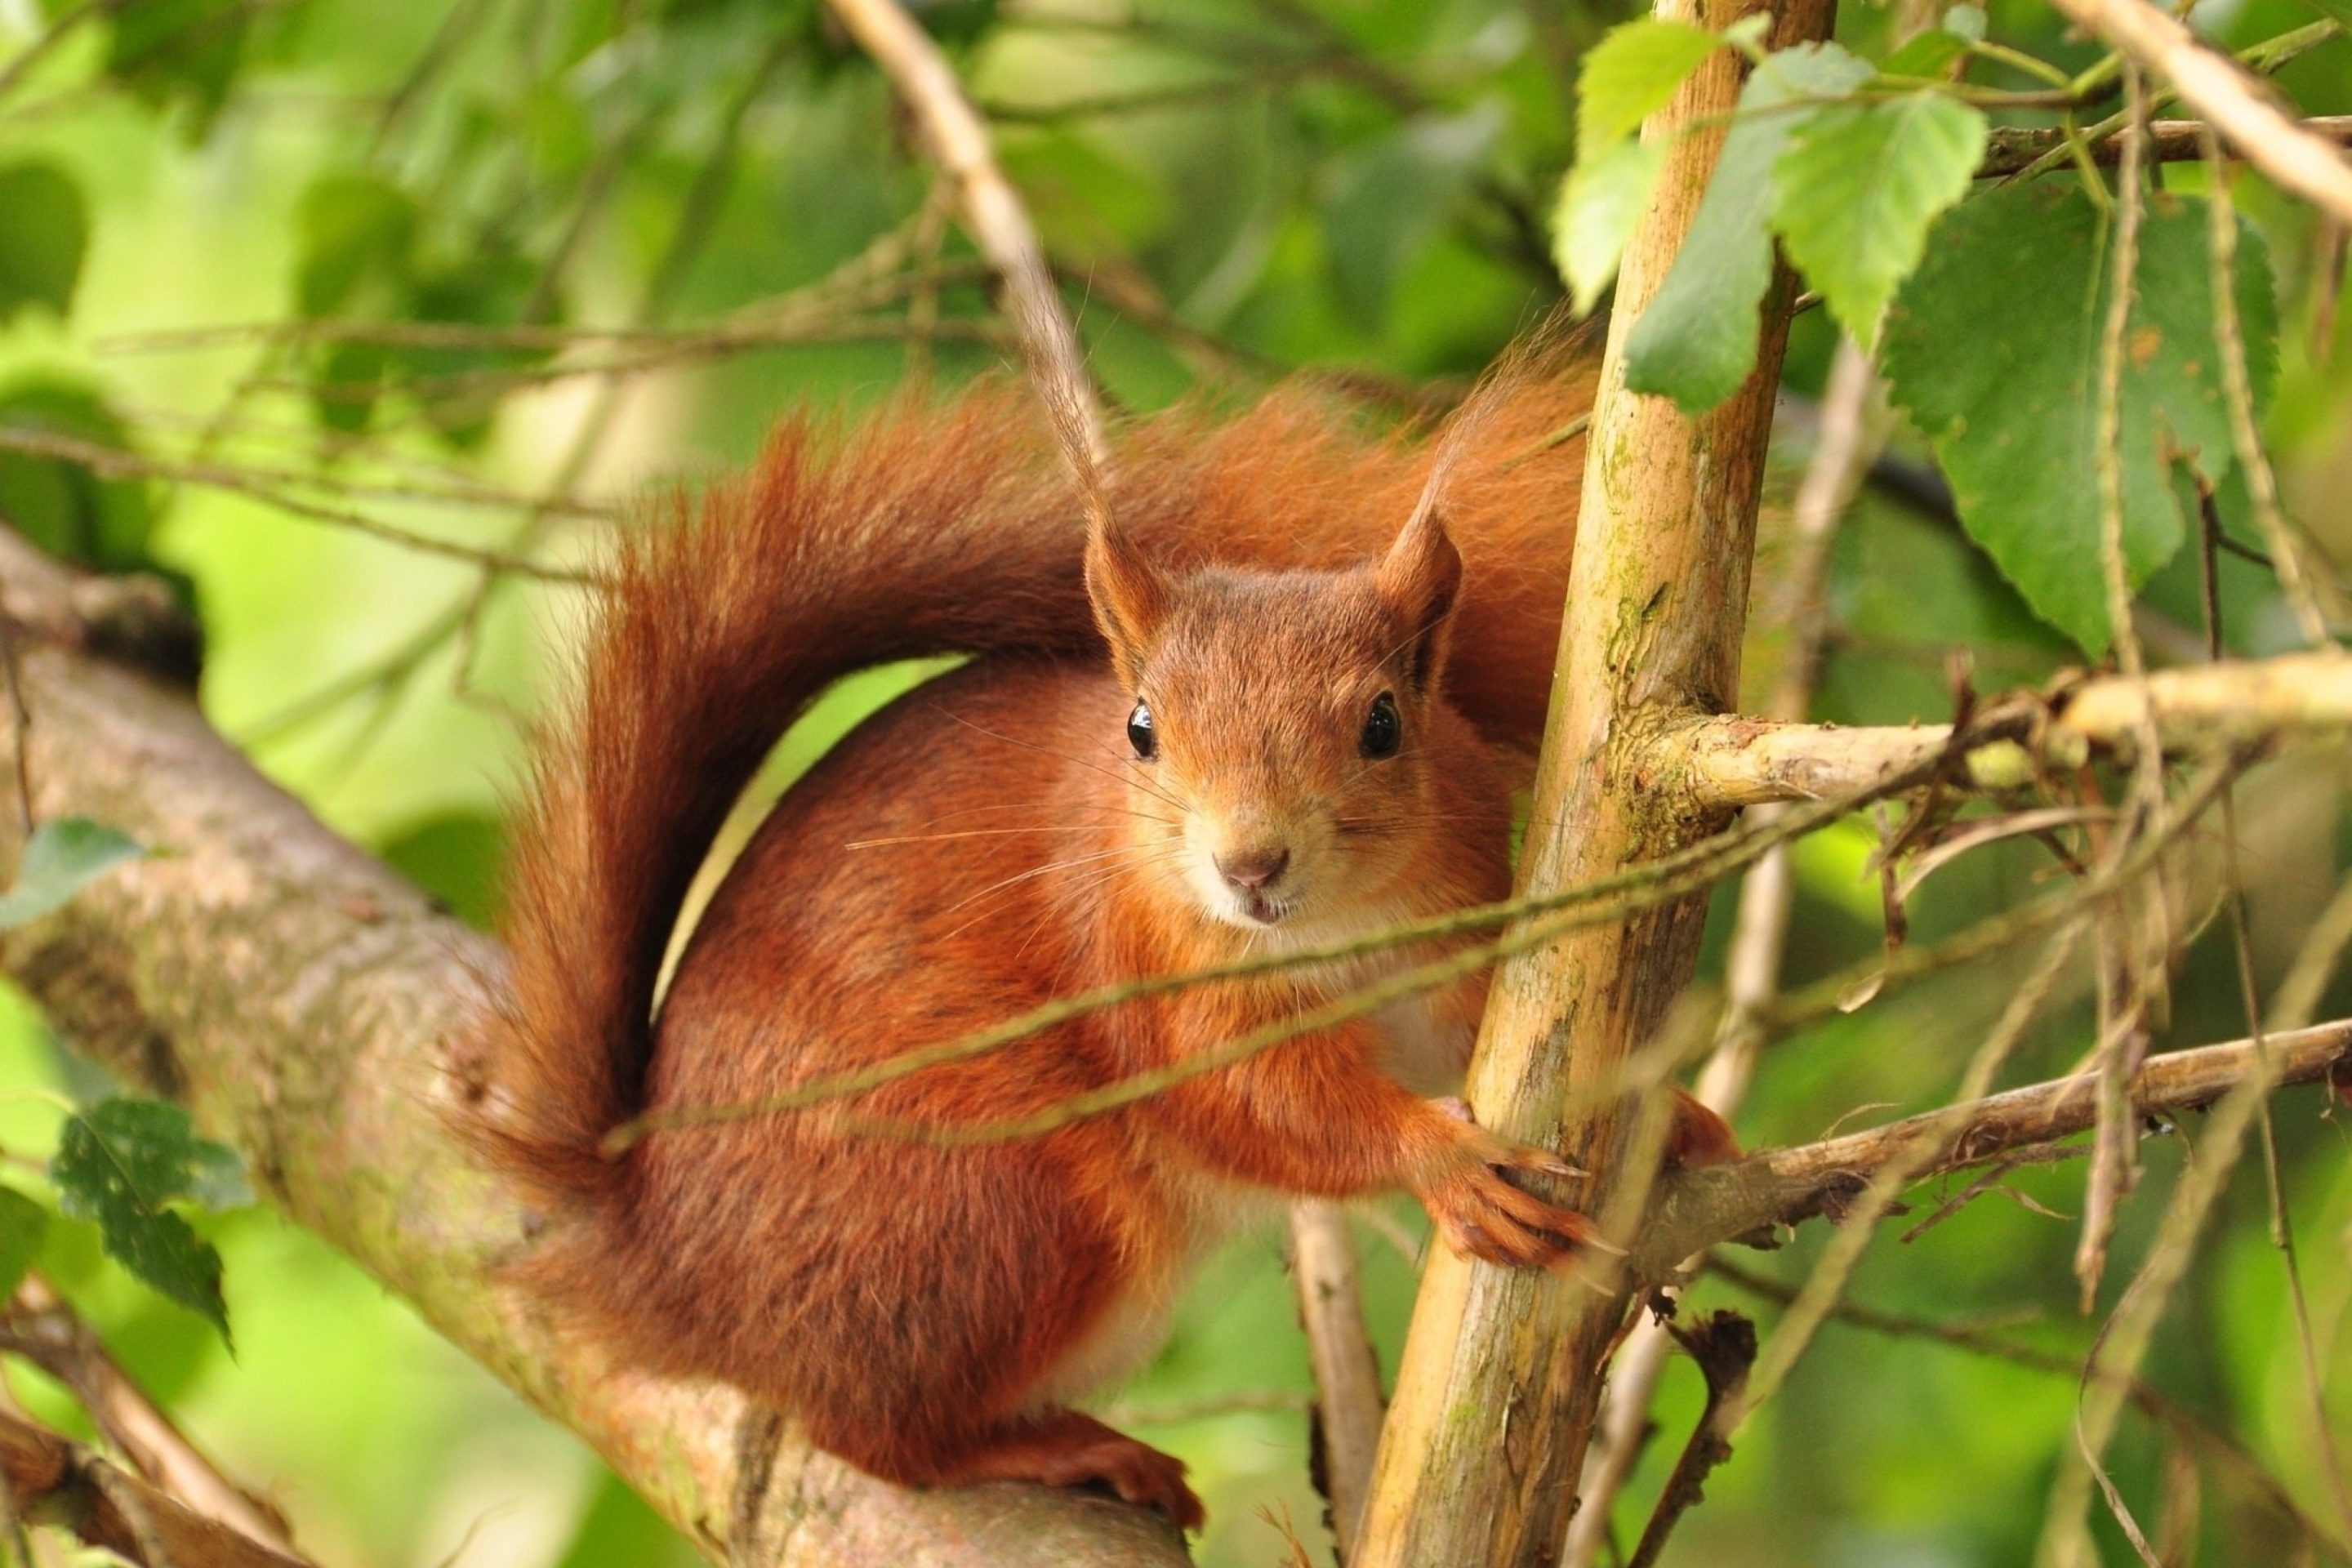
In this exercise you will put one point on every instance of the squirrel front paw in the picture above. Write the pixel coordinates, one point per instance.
(1481, 1215)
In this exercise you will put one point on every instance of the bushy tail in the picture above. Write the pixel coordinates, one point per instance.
(917, 533)
(922, 533)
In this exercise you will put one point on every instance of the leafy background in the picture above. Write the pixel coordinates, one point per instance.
(1230, 190)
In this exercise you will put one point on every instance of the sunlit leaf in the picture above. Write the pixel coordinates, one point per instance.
(1697, 342)
(1630, 73)
(118, 1164)
(60, 859)
(42, 236)
(1599, 201)
(1857, 188)
(1994, 347)
(1929, 54)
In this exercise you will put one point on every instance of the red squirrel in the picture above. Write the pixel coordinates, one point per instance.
(1262, 712)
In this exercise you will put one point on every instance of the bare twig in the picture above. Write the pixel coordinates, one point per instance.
(2261, 484)
(42, 1327)
(1978, 1338)
(1725, 1348)
(994, 218)
(52, 1481)
(2228, 99)
(111, 462)
(2010, 147)
(1699, 1208)
(1349, 1406)
(2267, 1061)
(2130, 948)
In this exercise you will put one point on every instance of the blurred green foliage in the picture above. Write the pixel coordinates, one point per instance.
(390, 231)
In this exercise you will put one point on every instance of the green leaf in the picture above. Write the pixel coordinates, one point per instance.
(117, 1162)
(1929, 53)
(59, 504)
(356, 230)
(41, 243)
(1857, 188)
(1993, 346)
(1630, 74)
(185, 51)
(23, 1226)
(1599, 201)
(1966, 22)
(60, 859)
(1392, 200)
(1697, 342)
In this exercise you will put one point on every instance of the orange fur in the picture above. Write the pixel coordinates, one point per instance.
(991, 841)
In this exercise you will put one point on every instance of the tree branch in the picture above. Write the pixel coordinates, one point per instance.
(1699, 1208)
(2012, 149)
(2227, 98)
(1734, 760)
(1657, 599)
(55, 1482)
(314, 1010)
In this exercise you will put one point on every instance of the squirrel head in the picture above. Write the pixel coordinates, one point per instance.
(1288, 737)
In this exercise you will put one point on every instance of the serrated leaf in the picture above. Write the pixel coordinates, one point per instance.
(23, 1224)
(1856, 189)
(60, 859)
(43, 239)
(1599, 201)
(1993, 345)
(1697, 342)
(1630, 74)
(118, 1164)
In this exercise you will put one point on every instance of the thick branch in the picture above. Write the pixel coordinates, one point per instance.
(1656, 604)
(316, 1011)
(1732, 761)
(1699, 1208)
(2226, 96)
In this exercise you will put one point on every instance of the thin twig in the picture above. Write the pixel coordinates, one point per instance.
(2262, 483)
(41, 1326)
(1725, 1348)
(2302, 163)
(111, 462)
(1349, 1404)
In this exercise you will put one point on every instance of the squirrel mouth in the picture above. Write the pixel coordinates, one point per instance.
(1265, 912)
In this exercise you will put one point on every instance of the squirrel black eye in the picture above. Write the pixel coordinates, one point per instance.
(1383, 731)
(1139, 733)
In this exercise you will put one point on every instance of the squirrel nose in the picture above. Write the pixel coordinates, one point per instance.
(1252, 869)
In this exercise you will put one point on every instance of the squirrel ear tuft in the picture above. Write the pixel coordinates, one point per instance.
(1129, 594)
(1420, 578)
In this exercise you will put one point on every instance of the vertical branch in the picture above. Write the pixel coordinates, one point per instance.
(1346, 1374)
(1852, 433)
(1499, 1384)
(2129, 949)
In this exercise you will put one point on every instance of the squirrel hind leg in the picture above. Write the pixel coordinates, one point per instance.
(1068, 1449)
